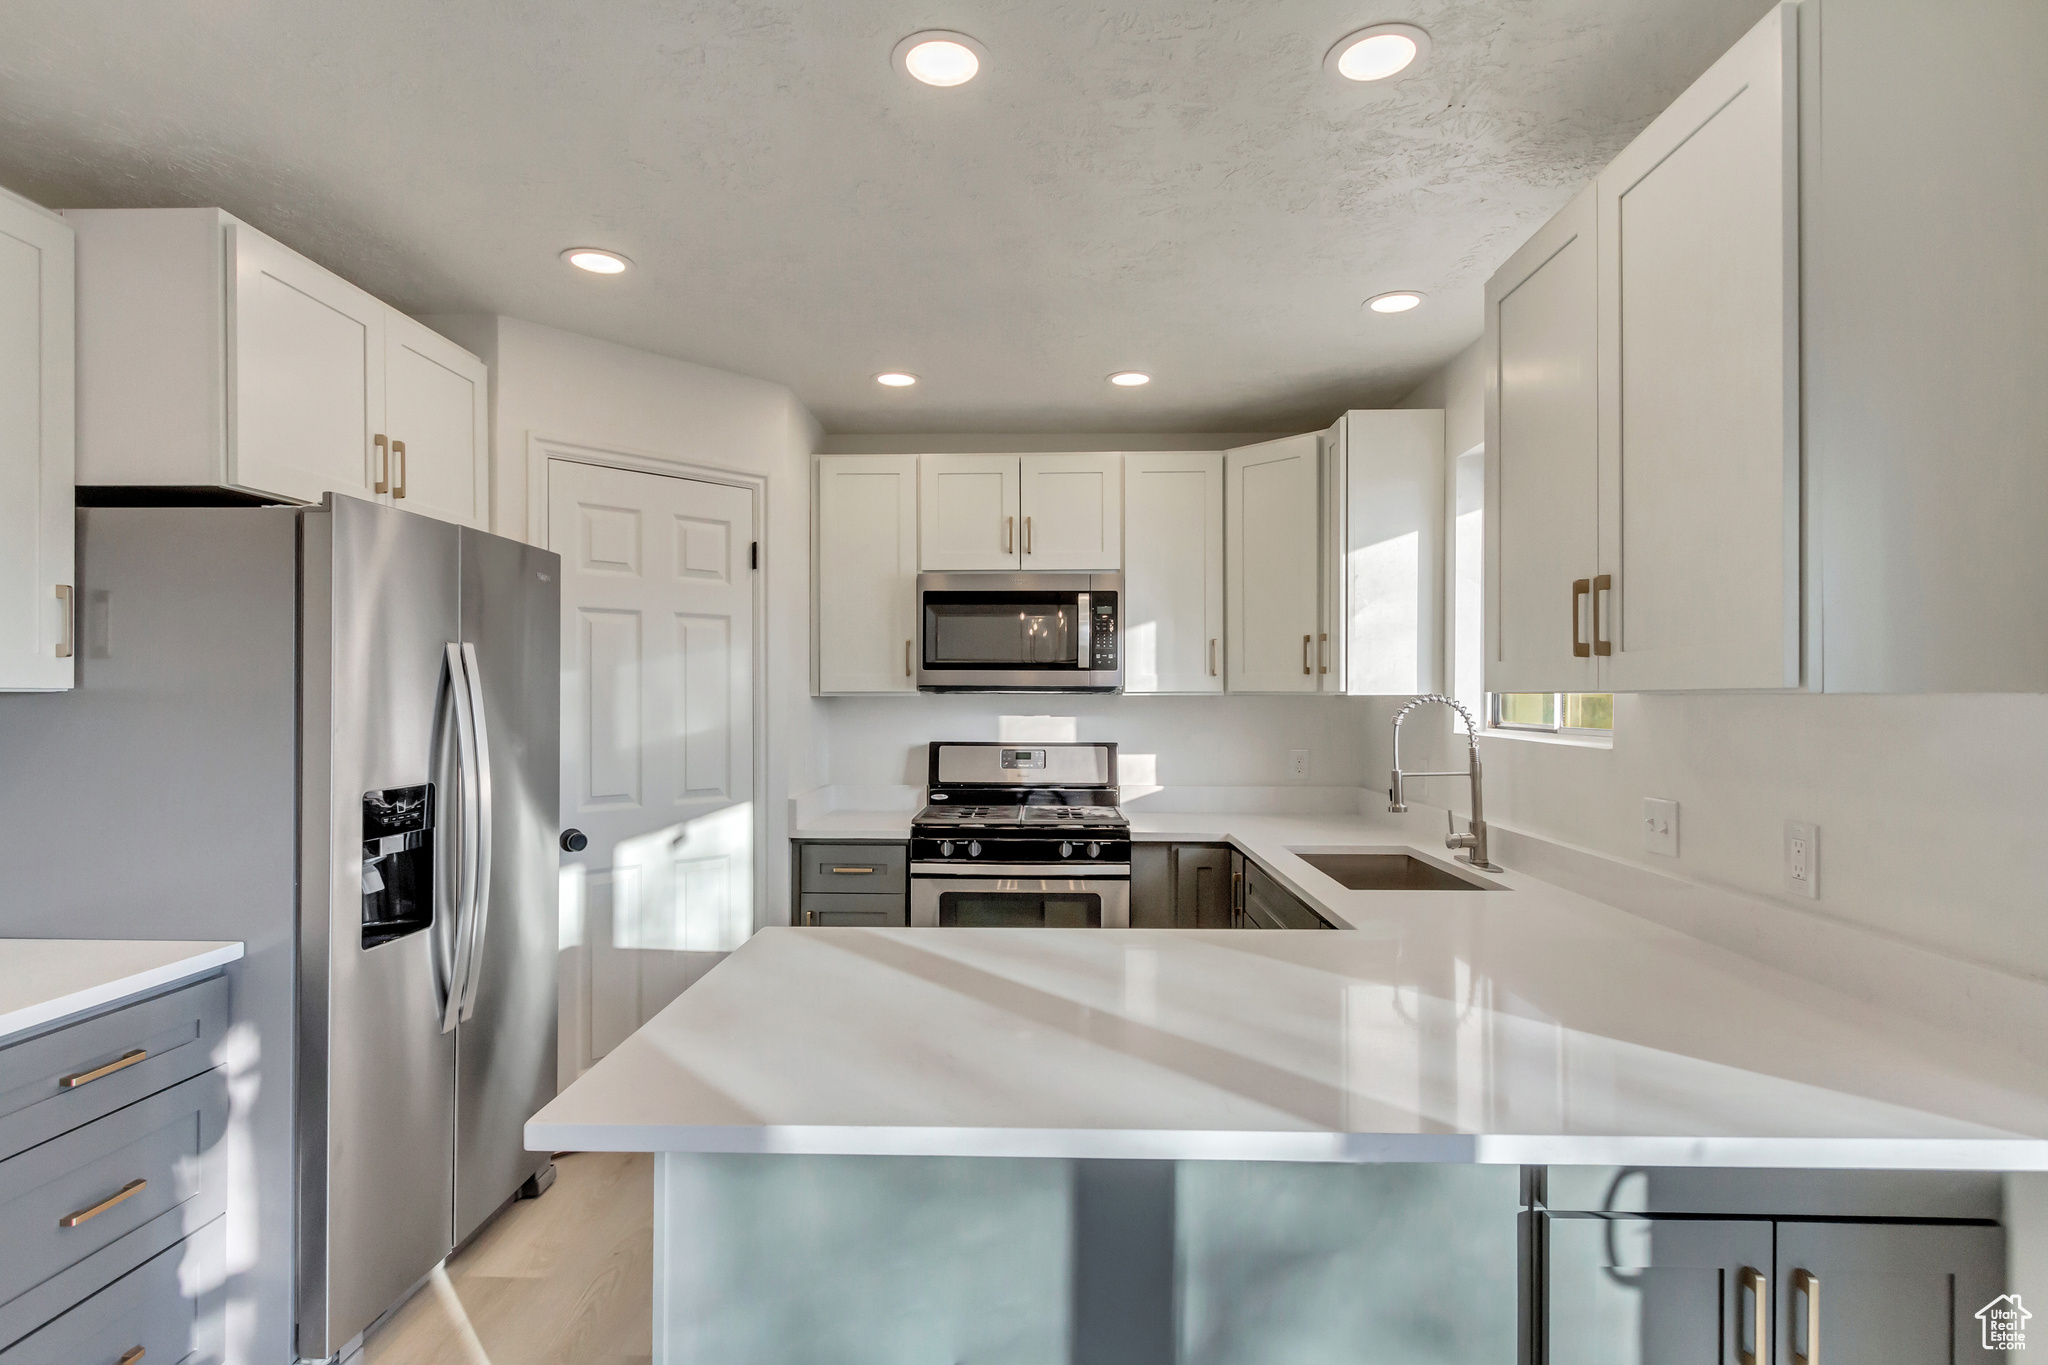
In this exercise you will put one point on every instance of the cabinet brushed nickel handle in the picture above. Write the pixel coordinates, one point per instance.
(855, 871)
(64, 600)
(1752, 1279)
(1306, 642)
(120, 1063)
(906, 658)
(398, 461)
(1806, 1284)
(811, 919)
(1580, 649)
(1323, 653)
(1027, 535)
(130, 1356)
(383, 446)
(1009, 535)
(72, 1220)
(1212, 656)
(1604, 583)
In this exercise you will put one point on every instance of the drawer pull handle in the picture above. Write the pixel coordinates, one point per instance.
(855, 871)
(120, 1063)
(130, 1356)
(72, 1220)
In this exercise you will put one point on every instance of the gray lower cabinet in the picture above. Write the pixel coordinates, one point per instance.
(1181, 886)
(1265, 904)
(1624, 1289)
(852, 884)
(111, 1201)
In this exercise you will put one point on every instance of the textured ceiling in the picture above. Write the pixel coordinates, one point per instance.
(1168, 185)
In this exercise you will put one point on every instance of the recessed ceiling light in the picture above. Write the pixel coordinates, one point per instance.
(1399, 301)
(1130, 379)
(1377, 53)
(595, 261)
(895, 379)
(939, 57)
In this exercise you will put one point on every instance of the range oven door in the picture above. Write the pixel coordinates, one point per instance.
(1019, 632)
(1027, 901)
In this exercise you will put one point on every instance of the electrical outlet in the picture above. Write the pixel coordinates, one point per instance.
(1300, 764)
(1660, 826)
(1802, 859)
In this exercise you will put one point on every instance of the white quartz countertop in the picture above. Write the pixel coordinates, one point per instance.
(43, 980)
(1525, 1024)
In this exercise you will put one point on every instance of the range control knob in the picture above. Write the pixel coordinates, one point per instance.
(1095, 850)
(1066, 850)
(974, 849)
(946, 848)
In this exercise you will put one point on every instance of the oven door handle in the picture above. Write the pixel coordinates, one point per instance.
(1030, 872)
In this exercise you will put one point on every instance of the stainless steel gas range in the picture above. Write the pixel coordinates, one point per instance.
(1021, 836)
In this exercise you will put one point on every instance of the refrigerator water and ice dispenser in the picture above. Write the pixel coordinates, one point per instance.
(398, 863)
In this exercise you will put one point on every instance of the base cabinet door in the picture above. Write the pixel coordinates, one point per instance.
(437, 422)
(1893, 1294)
(1271, 564)
(37, 613)
(867, 573)
(1173, 572)
(1656, 1291)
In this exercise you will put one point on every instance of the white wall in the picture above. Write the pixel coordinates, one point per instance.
(551, 383)
(1931, 807)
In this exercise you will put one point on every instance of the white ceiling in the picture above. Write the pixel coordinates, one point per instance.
(1168, 185)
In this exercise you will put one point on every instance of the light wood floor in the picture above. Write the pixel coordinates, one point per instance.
(568, 1277)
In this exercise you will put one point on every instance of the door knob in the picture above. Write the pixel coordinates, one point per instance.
(574, 841)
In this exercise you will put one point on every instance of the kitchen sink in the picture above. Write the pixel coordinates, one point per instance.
(1389, 872)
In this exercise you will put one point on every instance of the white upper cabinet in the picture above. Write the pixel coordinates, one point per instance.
(866, 567)
(1173, 572)
(1073, 513)
(308, 366)
(1542, 513)
(1643, 509)
(37, 612)
(1384, 495)
(437, 421)
(1699, 383)
(968, 512)
(1271, 556)
(211, 356)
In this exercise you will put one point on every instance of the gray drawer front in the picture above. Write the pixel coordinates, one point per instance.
(830, 911)
(154, 1141)
(861, 869)
(177, 1032)
(146, 1307)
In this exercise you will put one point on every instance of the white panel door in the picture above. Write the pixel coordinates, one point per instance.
(1073, 512)
(1173, 572)
(1542, 457)
(37, 413)
(1699, 390)
(1271, 563)
(867, 573)
(436, 414)
(967, 512)
(308, 357)
(657, 734)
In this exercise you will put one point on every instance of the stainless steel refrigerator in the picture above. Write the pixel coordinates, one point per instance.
(333, 733)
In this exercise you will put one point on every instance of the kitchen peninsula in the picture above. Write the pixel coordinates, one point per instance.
(1002, 1144)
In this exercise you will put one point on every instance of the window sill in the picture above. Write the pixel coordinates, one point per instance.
(1544, 737)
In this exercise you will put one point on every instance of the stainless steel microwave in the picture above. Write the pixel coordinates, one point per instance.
(1020, 632)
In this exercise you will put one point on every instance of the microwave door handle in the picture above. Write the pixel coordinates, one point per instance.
(1086, 654)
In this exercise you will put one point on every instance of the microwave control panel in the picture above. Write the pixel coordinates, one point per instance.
(1102, 631)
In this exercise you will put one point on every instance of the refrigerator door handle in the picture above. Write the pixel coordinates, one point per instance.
(465, 866)
(480, 888)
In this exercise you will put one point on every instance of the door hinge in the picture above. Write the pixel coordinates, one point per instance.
(754, 555)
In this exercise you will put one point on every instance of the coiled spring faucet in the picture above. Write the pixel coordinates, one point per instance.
(1475, 840)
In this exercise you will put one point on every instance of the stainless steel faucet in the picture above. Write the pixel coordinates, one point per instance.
(1475, 840)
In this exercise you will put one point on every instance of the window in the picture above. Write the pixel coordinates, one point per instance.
(1559, 713)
